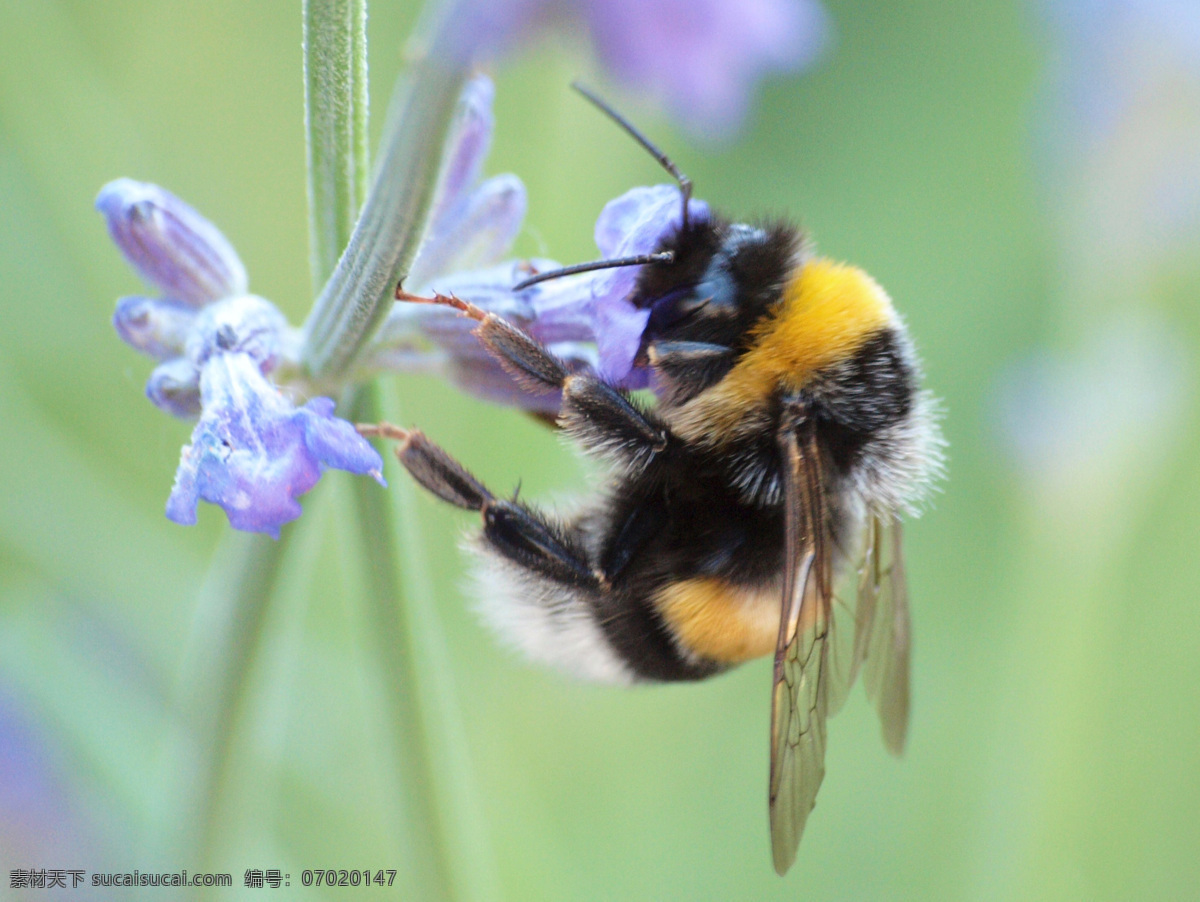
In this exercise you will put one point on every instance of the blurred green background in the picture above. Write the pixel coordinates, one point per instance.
(1021, 191)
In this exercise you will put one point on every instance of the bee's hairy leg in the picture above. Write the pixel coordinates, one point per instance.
(432, 467)
(511, 529)
(686, 368)
(605, 419)
(529, 539)
(599, 416)
(529, 362)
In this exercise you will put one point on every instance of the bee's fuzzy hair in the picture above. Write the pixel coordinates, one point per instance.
(546, 621)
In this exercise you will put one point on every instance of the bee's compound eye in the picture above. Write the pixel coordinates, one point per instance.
(715, 296)
(672, 307)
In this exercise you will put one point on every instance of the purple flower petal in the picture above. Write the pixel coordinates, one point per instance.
(252, 453)
(621, 214)
(472, 224)
(483, 377)
(590, 307)
(245, 323)
(154, 326)
(619, 327)
(563, 309)
(595, 306)
(477, 233)
(634, 223)
(174, 386)
(703, 57)
(490, 289)
(39, 814)
(336, 443)
(468, 147)
(170, 244)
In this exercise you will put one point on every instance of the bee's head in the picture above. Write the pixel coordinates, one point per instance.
(707, 283)
(722, 278)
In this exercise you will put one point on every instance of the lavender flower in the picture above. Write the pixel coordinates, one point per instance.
(595, 307)
(474, 221)
(1121, 154)
(252, 451)
(585, 319)
(1087, 421)
(700, 57)
(632, 224)
(458, 353)
(37, 814)
(170, 244)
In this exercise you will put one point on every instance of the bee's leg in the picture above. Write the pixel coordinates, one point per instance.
(511, 529)
(529, 539)
(686, 368)
(602, 418)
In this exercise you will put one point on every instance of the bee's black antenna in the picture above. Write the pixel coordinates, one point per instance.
(685, 183)
(660, 257)
(685, 190)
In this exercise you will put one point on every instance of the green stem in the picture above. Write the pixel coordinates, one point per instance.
(435, 771)
(445, 841)
(336, 109)
(210, 688)
(385, 239)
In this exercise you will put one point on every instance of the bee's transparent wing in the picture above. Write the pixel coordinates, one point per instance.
(851, 612)
(800, 694)
(882, 635)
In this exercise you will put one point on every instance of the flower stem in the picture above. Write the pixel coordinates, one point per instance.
(445, 841)
(385, 239)
(436, 778)
(210, 689)
(336, 109)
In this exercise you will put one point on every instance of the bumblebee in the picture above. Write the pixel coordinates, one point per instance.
(753, 510)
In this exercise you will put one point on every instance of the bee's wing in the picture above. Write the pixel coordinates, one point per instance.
(853, 610)
(800, 695)
(882, 635)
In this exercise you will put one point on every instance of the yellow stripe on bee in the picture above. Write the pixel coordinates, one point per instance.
(719, 622)
(829, 309)
(828, 312)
